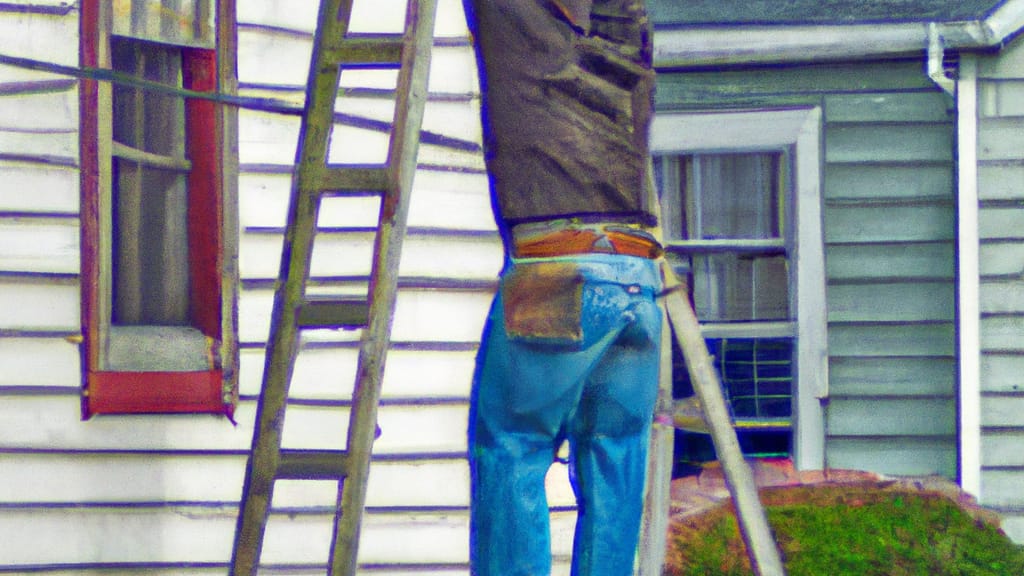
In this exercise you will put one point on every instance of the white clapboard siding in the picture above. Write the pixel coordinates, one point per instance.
(1002, 297)
(53, 422)
(353, 145)
(50, 362)
(46, 37)
(46, 111)
(266, 138)
(450, 20)
(327, 373)
(141, 478)
(405, 429)
(455, 116)
(1003, 372)
(350, 254)
(1001, 223)
(1013, 525)
(1002, 410)
(1003, 448)
(38, 188)
(273, 57)
(42, 304)
(215, 479)
(1001, 138)
(204, 535)
(1002, 334)
(45, 245)
(455, 200)
(420, 316)
(1001, 181)
(440, 199)
(61, 145)
(46, 6)
(1002, 258)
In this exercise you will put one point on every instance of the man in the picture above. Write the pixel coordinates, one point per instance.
(571, 347)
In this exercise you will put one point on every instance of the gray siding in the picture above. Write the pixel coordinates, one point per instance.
(1001, 221)
(889, 229)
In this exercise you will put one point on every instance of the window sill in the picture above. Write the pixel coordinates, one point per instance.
(199, 392)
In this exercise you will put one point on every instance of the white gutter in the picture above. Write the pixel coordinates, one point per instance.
(699, 46)
(968, 279)
(1007, 20)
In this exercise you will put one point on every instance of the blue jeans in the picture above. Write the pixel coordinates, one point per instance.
(598, 392)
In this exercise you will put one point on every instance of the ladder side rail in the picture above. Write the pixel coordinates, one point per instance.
(283, 340)
(762, 549)
(411, 96)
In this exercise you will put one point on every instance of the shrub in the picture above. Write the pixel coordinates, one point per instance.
(844, 530)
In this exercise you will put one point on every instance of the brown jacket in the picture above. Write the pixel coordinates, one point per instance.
(568, 94)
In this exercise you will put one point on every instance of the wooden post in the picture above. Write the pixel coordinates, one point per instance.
(761, 548)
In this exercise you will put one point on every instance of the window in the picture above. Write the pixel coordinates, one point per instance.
(153, 212)
(742, 221)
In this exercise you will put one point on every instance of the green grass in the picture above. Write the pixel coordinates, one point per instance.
(849, 530)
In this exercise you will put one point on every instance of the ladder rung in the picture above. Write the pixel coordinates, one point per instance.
(358, 180)
(353, 51)
(334, 313)
(312, 465)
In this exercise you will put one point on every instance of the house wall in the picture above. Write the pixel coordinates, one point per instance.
(889, 231)
(1001, 228)
(159, 494)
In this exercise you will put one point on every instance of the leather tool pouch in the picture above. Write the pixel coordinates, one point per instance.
(543, 303)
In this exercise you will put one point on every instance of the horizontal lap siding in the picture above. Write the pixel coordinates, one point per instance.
(159, 494)
(1001, 195)
(889, 231)
(889, 226)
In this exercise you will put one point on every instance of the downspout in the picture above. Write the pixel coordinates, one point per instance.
(964, 91)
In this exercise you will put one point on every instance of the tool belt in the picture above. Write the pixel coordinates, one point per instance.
(585, 239)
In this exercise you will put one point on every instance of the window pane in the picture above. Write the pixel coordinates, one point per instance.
(757, 374)
(757, 381)
(151, 265)
(734, 287)
(150, 272)
(731, 196)
(188, 22)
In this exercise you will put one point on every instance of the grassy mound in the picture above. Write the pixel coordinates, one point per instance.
(850, 530)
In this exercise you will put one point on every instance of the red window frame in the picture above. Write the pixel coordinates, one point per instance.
(128, 392)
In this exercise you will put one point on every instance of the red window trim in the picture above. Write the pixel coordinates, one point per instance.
(107, 392)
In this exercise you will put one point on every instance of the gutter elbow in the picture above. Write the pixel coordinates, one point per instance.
(936, 52)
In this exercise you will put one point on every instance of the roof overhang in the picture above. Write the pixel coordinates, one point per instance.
(703, 46)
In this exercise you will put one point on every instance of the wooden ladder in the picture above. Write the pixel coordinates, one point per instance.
(334, 49)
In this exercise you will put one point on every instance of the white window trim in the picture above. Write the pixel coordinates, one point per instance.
(798, 131)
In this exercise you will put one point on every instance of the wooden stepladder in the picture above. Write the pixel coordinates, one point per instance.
(334, 49)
